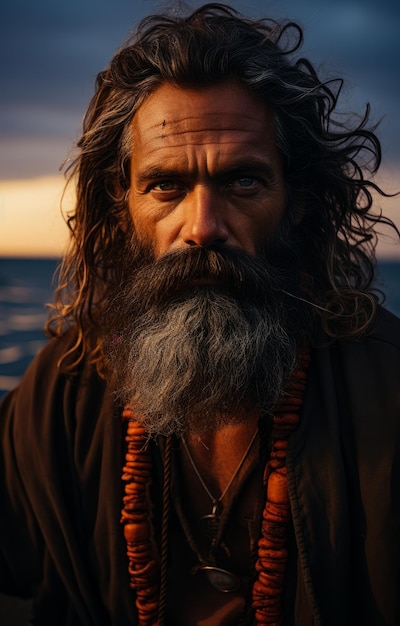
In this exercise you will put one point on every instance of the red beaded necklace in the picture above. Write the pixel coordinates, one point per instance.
(148, 576)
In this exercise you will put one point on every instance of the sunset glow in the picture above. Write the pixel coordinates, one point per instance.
(31, 223)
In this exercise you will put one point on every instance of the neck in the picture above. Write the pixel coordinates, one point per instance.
(217, 454)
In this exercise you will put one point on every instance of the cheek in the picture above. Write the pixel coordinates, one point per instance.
(266, 224)
(141, 230)
(149, 232)
(140, 216)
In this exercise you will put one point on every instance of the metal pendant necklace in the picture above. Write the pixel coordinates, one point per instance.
(219, 578)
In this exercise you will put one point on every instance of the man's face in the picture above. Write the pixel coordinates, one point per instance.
(205, 170)
(203, 328)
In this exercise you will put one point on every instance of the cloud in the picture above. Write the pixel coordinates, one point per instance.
(54, 51)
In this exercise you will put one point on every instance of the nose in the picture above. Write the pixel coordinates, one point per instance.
(203, 220)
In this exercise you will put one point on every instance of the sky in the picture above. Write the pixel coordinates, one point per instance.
(50, 53)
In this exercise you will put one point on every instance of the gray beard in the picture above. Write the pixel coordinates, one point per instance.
(189, 357)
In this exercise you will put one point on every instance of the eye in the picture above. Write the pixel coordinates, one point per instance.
(166, 185)
(167, 190)
(244, 185)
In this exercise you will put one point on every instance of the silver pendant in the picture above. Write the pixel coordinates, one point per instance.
(209, 523)
(220, 579)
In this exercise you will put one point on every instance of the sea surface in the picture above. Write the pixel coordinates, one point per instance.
(26, 287)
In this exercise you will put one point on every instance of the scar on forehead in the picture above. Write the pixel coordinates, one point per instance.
(163, 125)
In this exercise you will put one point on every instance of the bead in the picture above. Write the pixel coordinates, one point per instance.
(277, 487)
(272, 551)
(136, 531)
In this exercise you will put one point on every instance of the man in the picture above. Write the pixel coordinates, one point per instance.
(216, 340)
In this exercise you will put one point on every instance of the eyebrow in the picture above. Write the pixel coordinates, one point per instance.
(157, 172)
(252, 164)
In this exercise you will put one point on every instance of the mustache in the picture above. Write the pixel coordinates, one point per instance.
(226, 269)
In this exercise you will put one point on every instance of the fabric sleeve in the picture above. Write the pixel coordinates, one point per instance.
(60, 497)
(373, 375)
(21, 541)
(37, 435)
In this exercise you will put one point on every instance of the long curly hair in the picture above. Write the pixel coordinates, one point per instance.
(329, 161)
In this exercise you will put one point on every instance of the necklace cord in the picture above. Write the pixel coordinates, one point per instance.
(177, 500)
(215, 501)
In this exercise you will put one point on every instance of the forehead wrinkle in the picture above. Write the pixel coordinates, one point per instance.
(166, 143)
(230, 123)
(224, 138)
(179, 128)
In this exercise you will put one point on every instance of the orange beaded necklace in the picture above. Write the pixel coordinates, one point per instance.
(148, 576)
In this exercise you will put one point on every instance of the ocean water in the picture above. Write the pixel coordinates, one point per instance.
(26, 286)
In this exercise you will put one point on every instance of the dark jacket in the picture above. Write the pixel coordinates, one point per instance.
(60, 533)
